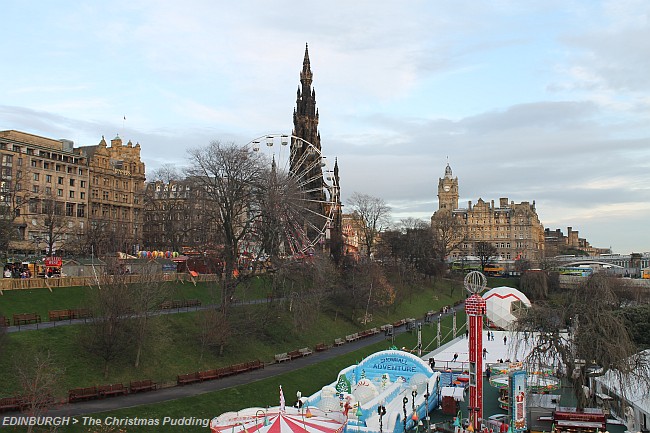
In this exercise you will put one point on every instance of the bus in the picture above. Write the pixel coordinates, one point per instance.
(466, 266)
(577, 271)
(645, 273)
(494, 270)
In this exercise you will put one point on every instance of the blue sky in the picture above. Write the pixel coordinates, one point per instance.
(538, 100)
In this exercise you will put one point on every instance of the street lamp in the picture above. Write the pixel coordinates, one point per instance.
(426, 406)
(414, 394)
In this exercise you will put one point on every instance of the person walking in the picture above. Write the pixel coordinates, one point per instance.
(455, 357)
(485, 353)
(505, 340)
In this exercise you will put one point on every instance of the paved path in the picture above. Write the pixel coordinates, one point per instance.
(176, 392)
(48, 324)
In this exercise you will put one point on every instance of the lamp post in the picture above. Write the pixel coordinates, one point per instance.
(381, 411)
(414, 417)
(404, 401)
(426, 406)
(414, 393)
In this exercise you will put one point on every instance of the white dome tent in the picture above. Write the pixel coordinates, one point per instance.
(501, 303)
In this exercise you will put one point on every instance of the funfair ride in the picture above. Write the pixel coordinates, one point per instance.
(300, 202)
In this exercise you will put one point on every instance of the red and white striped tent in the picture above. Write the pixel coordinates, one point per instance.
(275, 420)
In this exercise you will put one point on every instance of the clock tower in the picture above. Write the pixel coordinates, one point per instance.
(448, 191)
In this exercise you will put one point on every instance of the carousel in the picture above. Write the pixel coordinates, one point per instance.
(539, 381)
(279, 419)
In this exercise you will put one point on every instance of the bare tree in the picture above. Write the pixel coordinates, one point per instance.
(54, 227)
(448, 233)
(534, 284)
(166, 173)
(595, 339)
(39, 377)
(110, 333)
(145, 298)
(374, 216)
(231, 179)
(306, 284)
(486, 253)
(214, 330)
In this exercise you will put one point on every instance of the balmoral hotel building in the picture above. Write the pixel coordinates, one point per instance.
(513, 228)
(56, 193)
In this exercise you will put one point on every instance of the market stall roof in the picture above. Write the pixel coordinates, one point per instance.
(456, 392)
(274, 420)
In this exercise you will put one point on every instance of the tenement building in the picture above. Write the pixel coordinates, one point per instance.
(556, 243)
(116, 199)
(61, 198)
(177, 217)
(512, 228)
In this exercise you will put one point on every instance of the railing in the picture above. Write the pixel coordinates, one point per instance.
(42, 283)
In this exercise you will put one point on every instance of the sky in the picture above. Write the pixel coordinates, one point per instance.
(545, 101)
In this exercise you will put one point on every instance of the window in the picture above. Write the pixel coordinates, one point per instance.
(71, 182)
(33, 206)
(20, 161)
(83, 183)
(70, 170)
(69, 209)
(34, 163)
(48, 178)
(81, 210)
(105, 195)
(36, 176)
(35, 188)
(48, 190)
(81, 172)
(82, 195)
(46, 165)
(59, 192)
(60, 180)
(58, 167)
(71, 194)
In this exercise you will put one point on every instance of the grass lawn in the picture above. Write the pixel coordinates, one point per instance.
(41, 301)
(173, 347)
(262, 393)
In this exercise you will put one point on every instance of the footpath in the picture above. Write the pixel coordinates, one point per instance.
(177, 392)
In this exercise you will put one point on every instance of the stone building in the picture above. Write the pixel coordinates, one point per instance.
(115, 202)
(176, 217)
(556, 243)
(55, 194)
(513, 228)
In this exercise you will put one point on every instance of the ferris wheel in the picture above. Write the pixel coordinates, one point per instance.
(300, 198)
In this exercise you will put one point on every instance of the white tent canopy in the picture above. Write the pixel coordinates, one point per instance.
(501, 302)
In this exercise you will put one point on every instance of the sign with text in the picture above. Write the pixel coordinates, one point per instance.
(518, 401)
(53, 262)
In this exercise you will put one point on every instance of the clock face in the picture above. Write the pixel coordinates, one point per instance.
(447, 188)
